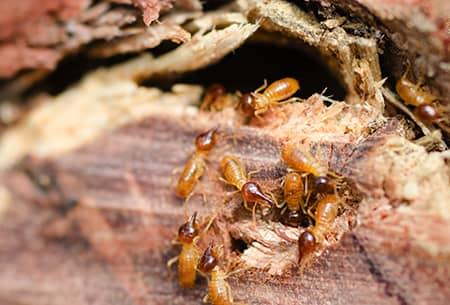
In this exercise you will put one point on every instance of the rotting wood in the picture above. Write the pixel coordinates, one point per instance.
(99, 227)
(128, 213)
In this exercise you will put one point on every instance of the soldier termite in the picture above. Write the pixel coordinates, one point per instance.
(281, 90)
(235, 174)
(219, 291)
(195, 166)
(326, 212)
(188, 233)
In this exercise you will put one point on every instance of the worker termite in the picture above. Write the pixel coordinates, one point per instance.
(326, 212)
(413, 94)
(281, 90)
(219, 291)
(303, 162)
(426, 108)
(188, 233)
(195, 166)
(293, 194)
(217, 98)
(235, 174)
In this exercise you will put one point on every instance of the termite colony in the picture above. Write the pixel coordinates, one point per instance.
(307, 195)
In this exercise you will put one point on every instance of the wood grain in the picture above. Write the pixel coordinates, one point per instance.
(112, 247)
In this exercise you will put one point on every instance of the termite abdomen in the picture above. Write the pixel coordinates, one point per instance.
(281, 89)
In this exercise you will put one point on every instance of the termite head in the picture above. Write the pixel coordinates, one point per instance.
(206, 141)
(209, 259)
(323, 184)
(427, 112)
(251, 192)
(189, 230)
(292, 218)
(215, 90)
(248, 104)
(306, 245)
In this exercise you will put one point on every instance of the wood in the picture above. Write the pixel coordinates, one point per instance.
(113, 246)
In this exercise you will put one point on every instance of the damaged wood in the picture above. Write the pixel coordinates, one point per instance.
(87, 177)
(127, 214)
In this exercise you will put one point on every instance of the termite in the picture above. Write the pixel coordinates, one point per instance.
(326, 212)
(257, 103)
(217, 98)
(293, 191)
(303, 162)
(423, 101)
(189, 256)
(219, 291)
(236, 175)
(195, 166)
(413, 94)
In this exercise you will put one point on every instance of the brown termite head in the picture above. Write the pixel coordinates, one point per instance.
(306, 245)
(252, 192)
(427, 113)
(209, 259)
(323, 184)
(214, 97)
(206, 140)
(189, 230)
(247, 104)
(214, 91)
(291, 218)
(296, 219)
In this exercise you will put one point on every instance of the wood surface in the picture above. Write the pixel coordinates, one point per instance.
(112, 247)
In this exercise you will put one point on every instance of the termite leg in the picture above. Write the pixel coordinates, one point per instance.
(278, 205)
(210, 222)
(254, 215)
(172, 261)
(292, 100)
(246, 206)
(251, 173)
(264, 86)
(306, 203)
(310, 213)
(230, 296)
(260, 111)
(188, 197)
(173, 176)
